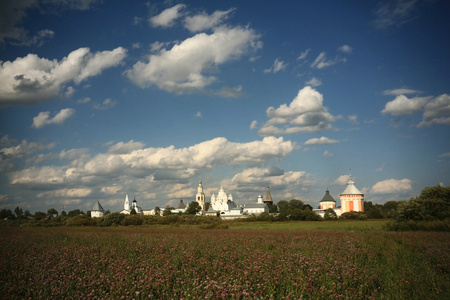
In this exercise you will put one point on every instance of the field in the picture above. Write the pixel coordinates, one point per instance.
(180, 263)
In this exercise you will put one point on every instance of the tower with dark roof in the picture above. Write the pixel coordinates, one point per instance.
(268, 198)
(327, 201)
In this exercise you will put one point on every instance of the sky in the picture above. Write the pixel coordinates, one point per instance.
(103, 98)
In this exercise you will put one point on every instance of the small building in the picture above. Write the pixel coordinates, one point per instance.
(256, 208)
(222, 202)
(97, 211)
(181, 208)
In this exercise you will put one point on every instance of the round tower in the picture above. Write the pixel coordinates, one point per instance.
(327, 201)
(200, 197)
(351, 198)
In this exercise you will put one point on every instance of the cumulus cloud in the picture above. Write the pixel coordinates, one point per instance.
(124, 148)
(204, 21)
(321, 141)
(31, 79)
(353, 119)
(170, 163)
(342, 180)
(392, 186)
(43, 118)
(402, 105)
(305, 113)
(436, 111)
(167, 17)
(229, 92)
(277, 66)
(24, 148)
(254, 124)
(183, 68)
(66, 193)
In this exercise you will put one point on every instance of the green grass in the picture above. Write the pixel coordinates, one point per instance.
(311, 225)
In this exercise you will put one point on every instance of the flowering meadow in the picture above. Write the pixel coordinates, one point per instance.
(176, 263)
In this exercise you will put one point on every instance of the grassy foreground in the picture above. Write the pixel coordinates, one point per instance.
(351, 225)
(177, 263)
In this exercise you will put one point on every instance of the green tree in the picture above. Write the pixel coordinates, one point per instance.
(27, 213)
(273, 208)
(133, 212)
(52, 212)
(167, 211)
(40, 215)
(390, 208)
(157, 211)
(19, 212)
(75, 212)
(283, 205)
(6, 214)
(193, 208)
(294, 203)
(330, 214)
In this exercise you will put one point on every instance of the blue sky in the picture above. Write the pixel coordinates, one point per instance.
(103, 98)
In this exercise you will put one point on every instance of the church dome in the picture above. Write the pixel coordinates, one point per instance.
(351, 189)
(327, 197)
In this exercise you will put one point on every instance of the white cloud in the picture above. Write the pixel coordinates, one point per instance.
(303, 55)
(167, 17)
(105, 105)
(83, 100)
(322, 61)
(381, 168)
(66, 193)
(314, 82)
(31, 79)
(43, 118)
(398, 92)
(321, 141)
(277, 66)
(24, 148)
(183, 67)
(402, 105)
(392, 186)
(204, 21)
(125, 148)
(229, 92)
(254, 124)
(305, 113)
(394, 13)
(198, 114)
(326, 153)
(345, 49)
(353, 119)
(128, 159)
(437, 111)
(342, 180)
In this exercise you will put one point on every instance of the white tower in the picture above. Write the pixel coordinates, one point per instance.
(126, 204)
(200, 197)
(351, 198)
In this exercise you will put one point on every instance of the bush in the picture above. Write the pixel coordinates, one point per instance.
(80, 220)
(353, 215)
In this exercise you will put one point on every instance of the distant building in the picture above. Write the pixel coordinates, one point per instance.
(181, 208)
(128, 207)
(97, 211)
(327, 201)
(268, 198)
(256, 208)
(222, 202)
(351, 198)
(200, 198)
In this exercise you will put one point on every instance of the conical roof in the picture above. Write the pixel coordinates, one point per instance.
(97, 206)
(181, 205)
(268, 197)
(327, 197)
(351, 189)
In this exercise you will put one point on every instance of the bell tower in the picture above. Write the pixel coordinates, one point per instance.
(200, 197)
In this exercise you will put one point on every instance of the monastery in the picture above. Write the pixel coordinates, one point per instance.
(223, 204)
